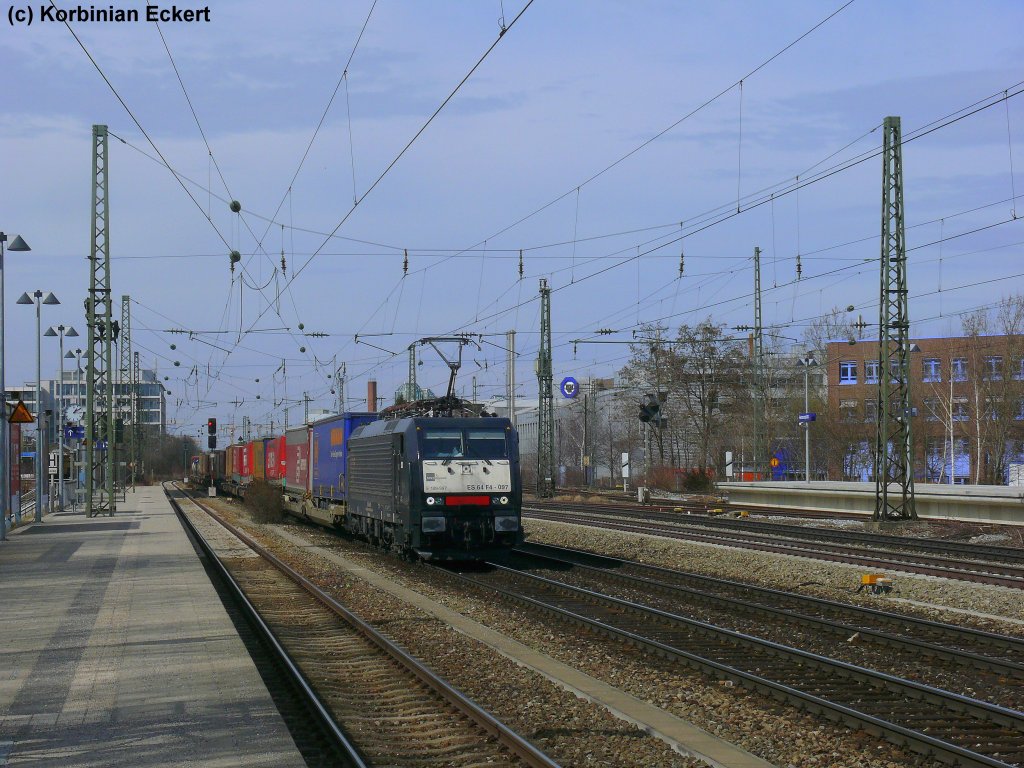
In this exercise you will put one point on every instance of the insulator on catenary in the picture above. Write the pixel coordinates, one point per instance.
(520, 263)
(799, 267)
(405, 264)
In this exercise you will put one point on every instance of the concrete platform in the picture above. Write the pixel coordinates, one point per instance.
(115, 650)
(975, 503)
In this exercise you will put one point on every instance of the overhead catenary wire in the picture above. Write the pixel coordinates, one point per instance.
(409, 144)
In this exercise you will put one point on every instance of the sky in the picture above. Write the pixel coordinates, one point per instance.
(604, 139)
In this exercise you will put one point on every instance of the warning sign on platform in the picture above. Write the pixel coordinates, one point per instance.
(20, 415)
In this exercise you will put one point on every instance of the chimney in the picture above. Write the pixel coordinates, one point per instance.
(371, 396)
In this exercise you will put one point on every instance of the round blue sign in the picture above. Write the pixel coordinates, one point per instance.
(569, 387)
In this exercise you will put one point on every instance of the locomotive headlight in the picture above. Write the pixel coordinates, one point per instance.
(432, 524)
(506, 523)
(430, 501)
(499, 500)
(503, 500)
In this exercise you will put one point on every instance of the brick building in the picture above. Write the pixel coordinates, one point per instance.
(967, 406)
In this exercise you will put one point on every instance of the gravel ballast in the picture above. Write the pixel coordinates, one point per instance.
(774, 731)
(573, 731)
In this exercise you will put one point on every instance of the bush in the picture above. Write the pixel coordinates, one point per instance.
(698, 481)
(263, 501)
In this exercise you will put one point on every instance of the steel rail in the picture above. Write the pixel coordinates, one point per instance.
(508, 738)
(325, 720)
(966, 635)
(959, 656)
(951, 569)
(1011, 555)
(899, 734)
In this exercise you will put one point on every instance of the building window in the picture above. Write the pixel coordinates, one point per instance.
(1018, 370)
(870, 371)
(894, 370)
(848, 410)
(932, 370)
(848, 372)
(994, 368)
(1020, 410)
(931, 409)
(959, 369)
(960, 409)
(870, 411)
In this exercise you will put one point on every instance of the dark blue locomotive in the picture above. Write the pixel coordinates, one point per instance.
(444, 488)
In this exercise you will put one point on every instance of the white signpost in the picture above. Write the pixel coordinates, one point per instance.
(625, 473)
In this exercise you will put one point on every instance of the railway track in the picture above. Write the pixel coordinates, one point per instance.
(765, 539)
(379, 705)
(953, 728)
(976, 552)
(943, 655)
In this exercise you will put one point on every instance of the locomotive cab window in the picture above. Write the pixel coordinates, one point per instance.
(442, 444)
(486, 444)
(464, 444)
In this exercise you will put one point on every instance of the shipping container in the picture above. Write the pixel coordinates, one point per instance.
(329, 449)
(273, 455)
(296, 449)
(231, 463)
(242, 463)
(256, 466)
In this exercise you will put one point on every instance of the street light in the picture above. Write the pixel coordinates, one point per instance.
(806, 362)
(39, 300)
(61, 331)
(77, 354)
(17, 245)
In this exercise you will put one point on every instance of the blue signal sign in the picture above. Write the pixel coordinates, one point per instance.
(569, 387)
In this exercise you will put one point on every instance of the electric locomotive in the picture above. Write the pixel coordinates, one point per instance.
(442, 488)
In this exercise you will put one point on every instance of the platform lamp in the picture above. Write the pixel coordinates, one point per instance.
(17, 245)
(79, 401)
(39, 299)
(61, 331)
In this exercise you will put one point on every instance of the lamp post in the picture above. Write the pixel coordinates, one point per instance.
(39, 300)
(806, 362)
(17, 245)
(78, 400)
(61, 331)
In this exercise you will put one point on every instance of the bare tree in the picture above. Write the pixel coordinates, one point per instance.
(710, 376)
(995, 384)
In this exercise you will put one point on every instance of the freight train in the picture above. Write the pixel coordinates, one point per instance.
(437, 488)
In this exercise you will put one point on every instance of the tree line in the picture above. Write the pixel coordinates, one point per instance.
(703, 379)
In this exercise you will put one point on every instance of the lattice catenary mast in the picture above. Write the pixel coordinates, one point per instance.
(127, 409)
(100, 404)
(545, 406)
(894, 447)
(760, 428)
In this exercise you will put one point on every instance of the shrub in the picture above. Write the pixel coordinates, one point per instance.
(698, 481)
(263, 501)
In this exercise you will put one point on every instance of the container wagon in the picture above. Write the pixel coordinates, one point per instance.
(274, 460)
(315, 482)
(296, 475)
